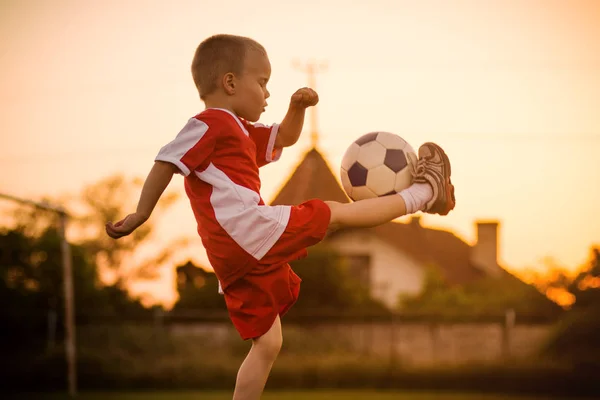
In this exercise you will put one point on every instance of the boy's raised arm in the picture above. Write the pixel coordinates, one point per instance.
(291, 126)
(157, 181)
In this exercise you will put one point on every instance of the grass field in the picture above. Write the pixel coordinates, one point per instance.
(299, 395)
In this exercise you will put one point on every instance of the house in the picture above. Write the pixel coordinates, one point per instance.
(392, 258)
(190, 276)
(197, 289)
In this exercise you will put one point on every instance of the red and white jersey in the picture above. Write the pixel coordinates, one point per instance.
(220, 154)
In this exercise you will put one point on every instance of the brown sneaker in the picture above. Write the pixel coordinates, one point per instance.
(433, 167)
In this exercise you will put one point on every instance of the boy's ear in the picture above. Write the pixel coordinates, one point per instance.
(229, 83)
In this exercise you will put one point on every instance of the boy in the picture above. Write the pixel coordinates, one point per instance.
(249, 244)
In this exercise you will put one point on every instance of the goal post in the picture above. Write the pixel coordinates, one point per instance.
(67, 265)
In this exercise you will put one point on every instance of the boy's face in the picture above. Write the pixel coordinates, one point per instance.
(251, 94)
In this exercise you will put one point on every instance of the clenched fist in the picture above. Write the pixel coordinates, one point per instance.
(304, 98)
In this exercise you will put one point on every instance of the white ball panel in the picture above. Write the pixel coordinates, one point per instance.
(362, 193)
(381, 180)
(346, 182)
(404, 179)
(411, 155)
(371, 155)
(391, 141)
(350, 156)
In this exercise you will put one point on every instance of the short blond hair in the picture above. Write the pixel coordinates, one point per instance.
(218, 55)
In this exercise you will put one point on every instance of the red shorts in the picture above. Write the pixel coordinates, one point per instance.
(270, 287)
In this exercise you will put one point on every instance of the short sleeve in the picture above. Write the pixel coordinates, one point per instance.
(191, 148)
(264, 138)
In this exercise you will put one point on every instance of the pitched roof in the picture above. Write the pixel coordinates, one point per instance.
(312, 179)
(432, 246)
(189, 271)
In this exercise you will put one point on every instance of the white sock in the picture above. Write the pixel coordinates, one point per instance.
(416, 196)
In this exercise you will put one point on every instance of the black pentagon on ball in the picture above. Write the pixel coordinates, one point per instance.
(364, 139)
(395, 160)
(357, 175)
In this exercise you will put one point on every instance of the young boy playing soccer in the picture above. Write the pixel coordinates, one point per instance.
(249, 244)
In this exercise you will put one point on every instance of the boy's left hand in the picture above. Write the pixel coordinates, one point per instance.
(305, 97)
(125, 226)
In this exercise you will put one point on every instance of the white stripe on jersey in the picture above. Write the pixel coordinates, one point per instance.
(174, 151)
(270, 157)
(254, 227)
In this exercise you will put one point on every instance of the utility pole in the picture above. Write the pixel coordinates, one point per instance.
(311, 69)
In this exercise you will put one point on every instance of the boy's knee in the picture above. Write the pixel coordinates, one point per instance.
(269, 345)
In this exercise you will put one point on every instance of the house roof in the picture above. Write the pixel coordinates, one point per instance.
(432, 246)
(190, 268)
(190, 271)
(313, 178)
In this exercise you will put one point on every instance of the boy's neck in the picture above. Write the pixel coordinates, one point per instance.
(216, 102)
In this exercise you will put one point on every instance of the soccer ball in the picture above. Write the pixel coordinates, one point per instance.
(377, 164)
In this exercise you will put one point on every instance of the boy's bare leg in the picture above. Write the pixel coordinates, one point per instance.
(432, 192)
(254, 371)
(366, 213)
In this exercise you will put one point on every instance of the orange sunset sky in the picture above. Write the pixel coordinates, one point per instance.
(510, 88)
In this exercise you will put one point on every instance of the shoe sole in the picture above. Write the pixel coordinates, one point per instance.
(447, 171)
(448, 168)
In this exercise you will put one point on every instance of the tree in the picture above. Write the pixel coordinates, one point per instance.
(489, 296)
(31, 260)
(32, 285)
(576, 290)
(585, 287)
(31, 238)
(575, 340)
(109, 200)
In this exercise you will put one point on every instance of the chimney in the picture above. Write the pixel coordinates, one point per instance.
(415, 220)
(484, 254)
